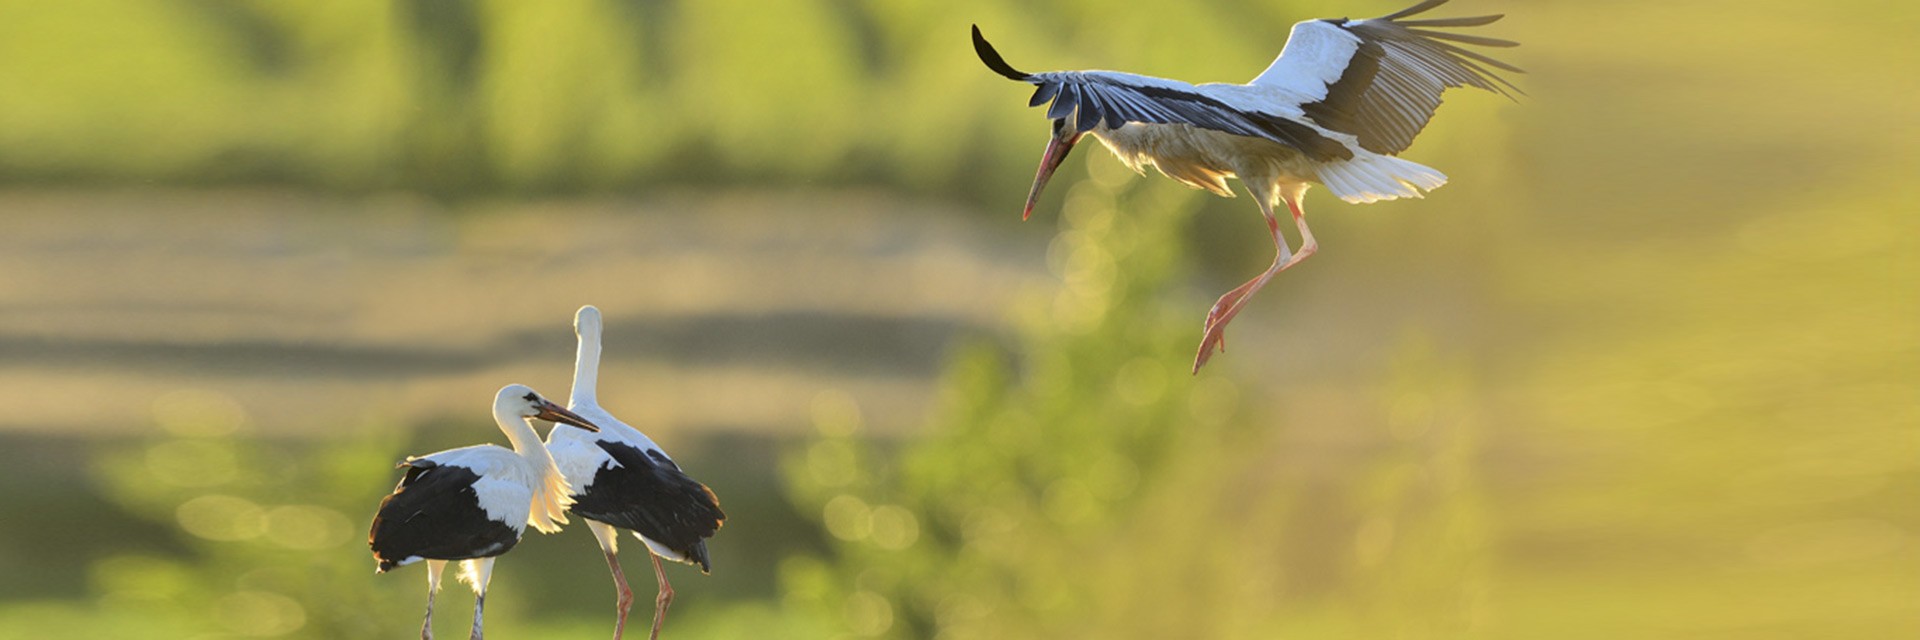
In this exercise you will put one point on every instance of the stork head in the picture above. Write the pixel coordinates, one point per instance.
(1065, 134)
(520, 400)
(586, 321)
(1058, 146)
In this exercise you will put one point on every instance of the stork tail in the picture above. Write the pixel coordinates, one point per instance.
(1372, 177)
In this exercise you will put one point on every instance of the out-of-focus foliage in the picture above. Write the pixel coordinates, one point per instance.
(468, 97)
(274, 537)
(1086, 486)
(1044, 472)
(1646, 368)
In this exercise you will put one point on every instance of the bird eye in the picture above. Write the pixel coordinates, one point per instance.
(533, 397)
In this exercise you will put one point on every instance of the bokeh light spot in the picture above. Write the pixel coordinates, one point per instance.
(868, 613)
(307, 527)
(223, 518)
(894, 527)
(848, 518)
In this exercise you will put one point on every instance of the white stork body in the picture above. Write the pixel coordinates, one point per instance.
(472, 504)
(1341, 100)
(622, 480)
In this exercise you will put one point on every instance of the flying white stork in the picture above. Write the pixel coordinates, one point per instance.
(1342, 98)
(622, 480)
(471, 504)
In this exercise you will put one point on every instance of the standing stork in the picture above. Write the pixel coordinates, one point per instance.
(624, 481)
(1343, 97)
(471, 504)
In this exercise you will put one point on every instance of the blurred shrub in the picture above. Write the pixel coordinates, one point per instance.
(460, 98)
(961, 533)
(275, 535)
(1088, 486)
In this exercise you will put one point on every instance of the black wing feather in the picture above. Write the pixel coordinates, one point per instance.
(1414, 10)
(1043, 93)
(1091, 100)
(992, 58)
(1392, 84)
(434, 513)
(1096, 98)
(651, 496)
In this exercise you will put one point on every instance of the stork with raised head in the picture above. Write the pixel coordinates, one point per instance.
(472, 504)
(622, 480)
(1342, 99)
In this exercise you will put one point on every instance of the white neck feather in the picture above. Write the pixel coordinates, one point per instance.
(551, 492)
(586, 364)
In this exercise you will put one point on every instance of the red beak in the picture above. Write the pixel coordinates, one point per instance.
(1057, 150)
(555, 413)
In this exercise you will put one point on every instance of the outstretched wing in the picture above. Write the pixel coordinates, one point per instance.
(1090, 98)
(1380, 79)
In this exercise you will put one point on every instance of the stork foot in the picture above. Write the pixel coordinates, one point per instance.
(1214, 339)
(1229, 305)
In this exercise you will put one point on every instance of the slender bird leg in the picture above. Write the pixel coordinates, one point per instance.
(481, 573)
(1229, 305)
(610, 544)
(479, 604)
(1231, 297)
(434, 569)
(1308, 245)
(665, 598)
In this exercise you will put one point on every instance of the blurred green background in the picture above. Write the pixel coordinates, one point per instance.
(1648, 368)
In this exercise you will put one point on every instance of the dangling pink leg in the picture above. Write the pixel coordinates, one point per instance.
(1229, 305)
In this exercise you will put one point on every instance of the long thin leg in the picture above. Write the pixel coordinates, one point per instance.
(609, 544)
(1229, 305)
(1308, 245)
(481, 572)
(434, 569)
(666, 597)
(1226, 301)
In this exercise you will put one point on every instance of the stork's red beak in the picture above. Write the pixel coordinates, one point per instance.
(1057, 150)
(555, 413)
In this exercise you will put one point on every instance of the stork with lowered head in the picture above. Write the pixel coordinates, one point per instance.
(1344, 97)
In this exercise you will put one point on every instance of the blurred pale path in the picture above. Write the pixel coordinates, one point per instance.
(1649, 367)
(728, 313)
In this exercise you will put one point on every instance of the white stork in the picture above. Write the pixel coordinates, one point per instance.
(1342, 98)
(624, 481)
(471, 504)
